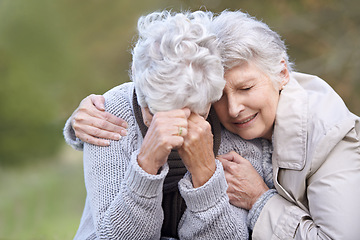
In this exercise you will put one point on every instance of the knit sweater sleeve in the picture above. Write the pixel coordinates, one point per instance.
(125, 201)
(209, 215)
(70, 138)
(258, 152)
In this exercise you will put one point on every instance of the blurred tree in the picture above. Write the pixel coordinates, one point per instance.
(31, 67)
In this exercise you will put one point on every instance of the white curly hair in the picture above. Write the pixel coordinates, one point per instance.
(176, 62)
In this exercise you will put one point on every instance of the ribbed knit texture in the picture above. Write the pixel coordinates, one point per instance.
(255, 211)
(124, 202)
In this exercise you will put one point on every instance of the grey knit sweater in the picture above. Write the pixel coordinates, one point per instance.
(124, 202)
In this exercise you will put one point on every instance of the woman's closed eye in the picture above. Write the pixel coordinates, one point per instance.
(246, 88)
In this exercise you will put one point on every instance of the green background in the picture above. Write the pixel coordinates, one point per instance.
(53, 53)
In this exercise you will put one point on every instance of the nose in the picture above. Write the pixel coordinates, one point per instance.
(235, 105)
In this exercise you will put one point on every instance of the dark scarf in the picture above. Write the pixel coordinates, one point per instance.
(173, 204)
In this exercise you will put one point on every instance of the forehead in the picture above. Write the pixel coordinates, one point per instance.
(243, 73)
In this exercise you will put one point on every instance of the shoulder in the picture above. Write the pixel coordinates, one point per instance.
(325, 106)
(118, 100)
(310, 115)
(328, 119)
(314, 101)
(326, 109)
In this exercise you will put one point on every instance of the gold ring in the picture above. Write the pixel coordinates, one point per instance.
(180, 131)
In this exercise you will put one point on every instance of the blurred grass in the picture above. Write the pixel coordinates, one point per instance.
(43, 201)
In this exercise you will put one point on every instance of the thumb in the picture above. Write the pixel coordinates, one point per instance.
(98, 101)
(187, 112)
(233, 157)
(227, 156)
(223, 161)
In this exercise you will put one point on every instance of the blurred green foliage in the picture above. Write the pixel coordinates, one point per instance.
(54, 53)
(43, 201)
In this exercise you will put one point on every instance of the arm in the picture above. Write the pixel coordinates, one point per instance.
(333, 196)
(209, 215)
(122, 196)
(90, 122)
(124, 188)
(247, 188)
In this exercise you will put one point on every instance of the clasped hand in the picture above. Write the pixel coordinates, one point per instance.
(245, 185)
(187, 132)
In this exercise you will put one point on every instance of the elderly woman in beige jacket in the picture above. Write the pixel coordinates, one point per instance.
(315, 138)
(316, 148)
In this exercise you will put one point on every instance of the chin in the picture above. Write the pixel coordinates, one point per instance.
(249, 136)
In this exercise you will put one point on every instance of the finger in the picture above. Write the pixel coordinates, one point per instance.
(107, 117)
(198, 125)
(181, 131)
(93, 140)
(176, 142)
(98, 101)
(100, 133)
(115, 124)
(105, 121)
(93, 105)
(187, 112)
(167, 144)
(176, 113)
(227, 165)
(237, 158)
(170, 125)
(225, 157)
(230, 167)
(230, 156)
(96, 127)
(223, 161)
(196, 118)
(228, 177)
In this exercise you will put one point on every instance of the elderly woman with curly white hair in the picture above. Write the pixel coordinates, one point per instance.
(162, 179)
(315, 138)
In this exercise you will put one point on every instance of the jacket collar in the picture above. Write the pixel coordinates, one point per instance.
(290, 130)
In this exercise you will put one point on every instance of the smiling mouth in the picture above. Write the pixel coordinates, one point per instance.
(248, 120)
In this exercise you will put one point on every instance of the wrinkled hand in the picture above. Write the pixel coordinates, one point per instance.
(161, 137)
(90, 122)
(197, 150)
(245, 183)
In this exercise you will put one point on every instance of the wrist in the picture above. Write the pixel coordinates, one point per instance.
(201, 175)
(147, 165)
(258, 196)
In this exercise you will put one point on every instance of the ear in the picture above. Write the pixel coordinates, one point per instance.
(147, 117)
(284, 74)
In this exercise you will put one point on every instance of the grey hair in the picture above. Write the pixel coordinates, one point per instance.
(244, 39)
(176, 62)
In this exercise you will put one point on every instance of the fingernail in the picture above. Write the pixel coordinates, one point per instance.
(124, 125)
(123, 132)
(117, 136)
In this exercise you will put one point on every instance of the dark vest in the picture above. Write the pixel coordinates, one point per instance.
(173, 204)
